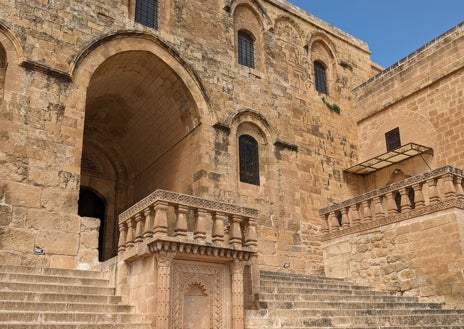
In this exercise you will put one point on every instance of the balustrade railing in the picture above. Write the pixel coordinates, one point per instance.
(415, 196)
(174, 217)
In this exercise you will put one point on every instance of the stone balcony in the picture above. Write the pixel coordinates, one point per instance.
(174, 222)
(437, 190)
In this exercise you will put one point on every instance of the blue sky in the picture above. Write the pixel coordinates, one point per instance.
(392, 28)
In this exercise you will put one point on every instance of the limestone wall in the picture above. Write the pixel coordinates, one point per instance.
(417, 257)
(422, 95)
(56, 49)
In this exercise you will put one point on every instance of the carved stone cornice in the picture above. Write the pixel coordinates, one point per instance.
(192, 248)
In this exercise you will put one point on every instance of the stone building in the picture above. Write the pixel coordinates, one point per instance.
(184, 146)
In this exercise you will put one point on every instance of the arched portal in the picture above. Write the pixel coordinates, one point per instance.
(139, 133)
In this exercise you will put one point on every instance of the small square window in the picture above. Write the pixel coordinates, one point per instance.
(392, 139)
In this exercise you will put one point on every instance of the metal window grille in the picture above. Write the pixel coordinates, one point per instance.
(246, 49)
(146, 13)
(320, 76)
(249, 160)
(392, 139)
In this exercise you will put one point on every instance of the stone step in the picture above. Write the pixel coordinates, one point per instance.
(51, 271)
(338, 313)
(374, 321)
(48, 279)
(280, 276)
(333, 305)
(335, 297)
(63, 307)
(45, 297)
(56, 288)
(75, 326)
(67, 317)
(41, 298)
(328, 291)
(298, 285)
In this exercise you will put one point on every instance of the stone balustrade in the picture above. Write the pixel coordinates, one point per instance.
(174, 222)
(433, 191)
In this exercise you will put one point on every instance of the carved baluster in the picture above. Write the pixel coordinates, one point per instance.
(378, 208)
(181, 221)
(345, 219)
(325, 224)
(251, 234)
(139, 224)
(458, 187)
(235, 234)
(201, 219)
(354, 215)
(218, 229)
(334, 225)
(434, 197)
(449, 188)
(419, 200)
(149, 222)
(366, 211)
(405, 202)
(130, 233)
(122, 236)
(160, 226)
(391, 204)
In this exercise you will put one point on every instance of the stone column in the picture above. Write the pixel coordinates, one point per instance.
(163, 308)
(237, 295)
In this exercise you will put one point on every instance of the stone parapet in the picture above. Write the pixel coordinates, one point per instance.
(416, 196)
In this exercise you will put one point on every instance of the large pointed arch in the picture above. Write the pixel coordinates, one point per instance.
(86, 62)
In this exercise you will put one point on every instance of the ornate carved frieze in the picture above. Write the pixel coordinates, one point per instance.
(193, 248)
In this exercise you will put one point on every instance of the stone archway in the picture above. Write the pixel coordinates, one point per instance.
(139, 133)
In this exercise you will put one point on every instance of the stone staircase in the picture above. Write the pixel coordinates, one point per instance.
(297, 301)
(44, 298)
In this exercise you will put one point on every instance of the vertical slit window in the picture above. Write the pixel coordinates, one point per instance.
(246, 49)
(249, 159)
(320, 76)
(146, 13)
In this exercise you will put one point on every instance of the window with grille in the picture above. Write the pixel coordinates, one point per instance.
(249, 159)
(392, 139)
(246, 49)
(146, 13)
(320, 76)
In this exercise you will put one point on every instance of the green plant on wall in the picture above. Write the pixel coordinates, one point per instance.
(334, 107)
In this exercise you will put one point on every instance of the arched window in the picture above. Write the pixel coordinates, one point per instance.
(249, 159)
(146, 13)
(320, 77)
(246, 49)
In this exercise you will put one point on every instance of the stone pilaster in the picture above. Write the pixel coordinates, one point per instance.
(164, 264)
(237, 294)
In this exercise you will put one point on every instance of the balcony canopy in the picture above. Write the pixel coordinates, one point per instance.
(402, 153)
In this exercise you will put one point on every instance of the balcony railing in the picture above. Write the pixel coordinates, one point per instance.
(415, 196)
(174, 222)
